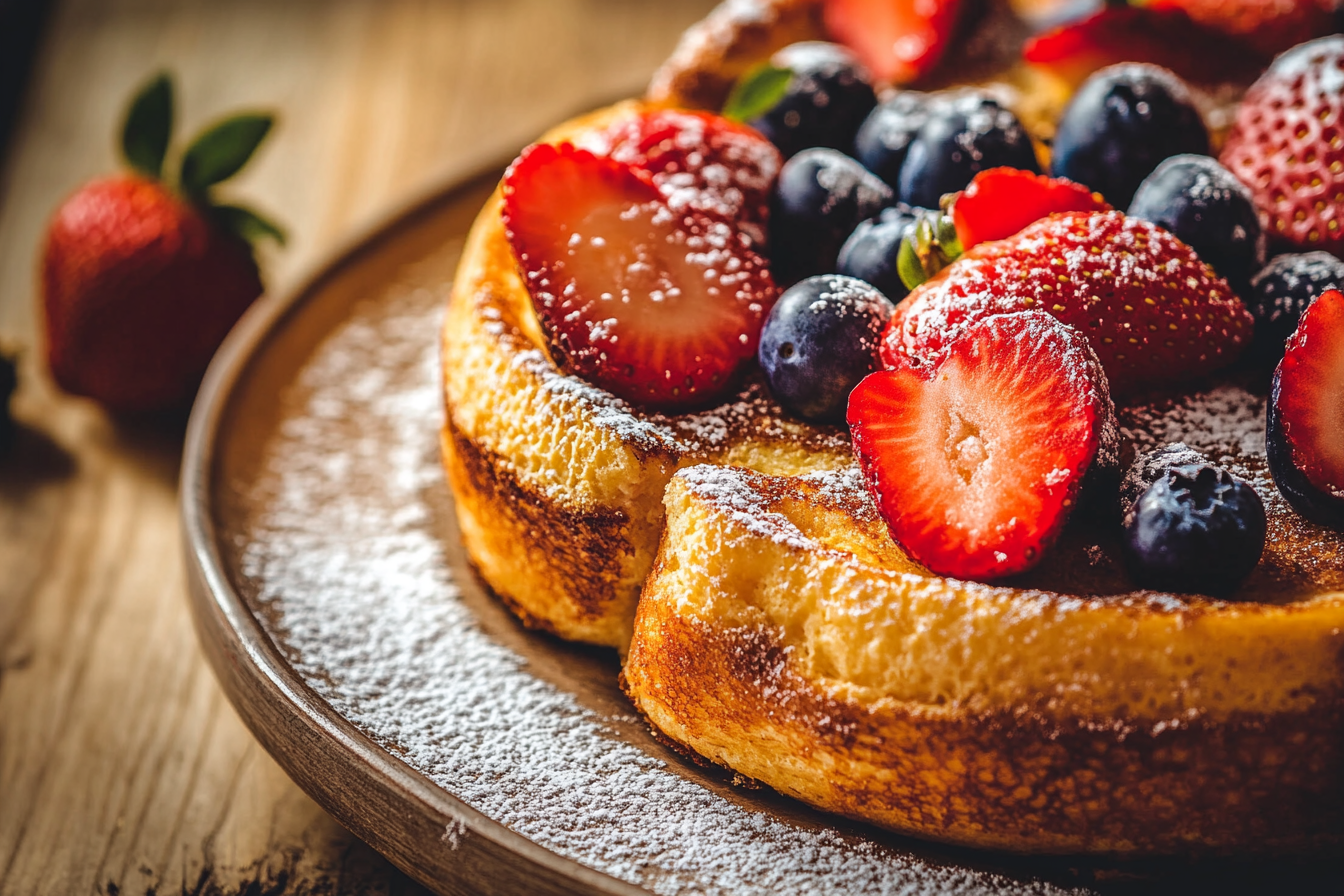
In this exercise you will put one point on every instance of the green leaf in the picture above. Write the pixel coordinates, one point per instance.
(247, 224)
(149, 126)
(907, 262)
(219, 152)
(757, 92)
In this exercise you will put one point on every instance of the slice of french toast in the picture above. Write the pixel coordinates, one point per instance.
(783, 634)
(558, 484)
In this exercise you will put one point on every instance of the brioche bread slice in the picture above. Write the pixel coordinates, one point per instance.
(559, 484)
(783, 634)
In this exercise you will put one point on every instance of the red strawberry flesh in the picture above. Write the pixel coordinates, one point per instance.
(698, 161)
(898, 40)
(1152, 310)
(1001, 201)
(977, 464)
(1311, 393)
(661, 307)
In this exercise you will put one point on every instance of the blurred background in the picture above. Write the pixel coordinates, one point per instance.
(123, 769)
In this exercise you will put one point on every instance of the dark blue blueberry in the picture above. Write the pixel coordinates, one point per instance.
(828, 97)
(1212, 212)
(870, 252)
(886, 134)
(1151, 466)
(1281, 292)
(820, 339)
(820, 197)
(1195, 528)
(1302, 495)
(1121, 124)
(966, 133)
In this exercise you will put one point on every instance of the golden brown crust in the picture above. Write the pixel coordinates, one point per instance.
(999, 780)
(978, 715)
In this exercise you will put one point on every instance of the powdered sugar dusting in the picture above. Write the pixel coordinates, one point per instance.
(345, 553)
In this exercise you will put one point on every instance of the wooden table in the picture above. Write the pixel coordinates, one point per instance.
(123, 769)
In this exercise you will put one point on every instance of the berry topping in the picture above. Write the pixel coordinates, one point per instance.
(977, 463)
(1001, 201)
(659, 306)
(1210, 210)
(1287, 145)
(885, 136)
(1194, 528)
(899, 40)
(1306, 415)
(1121, 123)
(1152, 310)
(1268, 28)
(871, 252)
(965, 133)
(1282, 291)
(819, 341)
(1151, 466)
(828, 97)
(820, 198)
(1115, 34)
(698, 161)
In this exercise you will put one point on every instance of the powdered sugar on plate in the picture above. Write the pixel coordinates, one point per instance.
(348, 558)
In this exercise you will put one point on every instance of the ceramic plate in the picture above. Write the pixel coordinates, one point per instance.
(335, 601)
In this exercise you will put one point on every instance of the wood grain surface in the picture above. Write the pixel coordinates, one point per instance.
(123, 769)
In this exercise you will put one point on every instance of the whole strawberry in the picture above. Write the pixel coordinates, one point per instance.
(142, 278)
(1152, 311)
(1288, 146)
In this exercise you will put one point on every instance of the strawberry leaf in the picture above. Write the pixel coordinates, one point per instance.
(149, 125)
(248, 224)
(219, 152)
(757, 92)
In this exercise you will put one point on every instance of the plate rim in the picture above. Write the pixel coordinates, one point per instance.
(248, 663)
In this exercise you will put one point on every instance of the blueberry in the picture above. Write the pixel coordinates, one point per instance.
(1203, 204)
(870, 252)
(966, 133)
(1281, 292)
(827, 99)
(820, 197)
(819, 341)
(1302, 495)
(1121, 123)
(1151, 466)
(1195, 528)
(886, 133)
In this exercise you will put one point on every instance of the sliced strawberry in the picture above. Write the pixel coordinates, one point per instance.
(1310, 394)
(660, 307)
(698, 160)
(1268, 27)
(1124, 34)
(898, 40)
(977, 463)
(1287, 145)
(1001, 201)
(1152, 310)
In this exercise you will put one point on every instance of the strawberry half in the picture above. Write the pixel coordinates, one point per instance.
(1306, 414)
(976, 464)
(698, 161)
(898, 40)
(1152, 310)
(1001, 201)
(1287, 145)
(659, 306)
